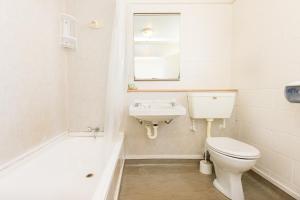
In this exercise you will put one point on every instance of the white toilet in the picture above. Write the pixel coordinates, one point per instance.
(231, 158)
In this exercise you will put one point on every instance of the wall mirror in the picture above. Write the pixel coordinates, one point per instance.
(156, 46)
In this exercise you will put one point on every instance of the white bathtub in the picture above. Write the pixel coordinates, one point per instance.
(58, 171)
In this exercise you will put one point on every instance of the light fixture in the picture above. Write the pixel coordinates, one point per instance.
(147, 32)
(95, 24)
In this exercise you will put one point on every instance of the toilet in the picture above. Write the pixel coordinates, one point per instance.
(230, 157)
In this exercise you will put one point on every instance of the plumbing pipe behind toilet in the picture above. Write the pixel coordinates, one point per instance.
(205, 165)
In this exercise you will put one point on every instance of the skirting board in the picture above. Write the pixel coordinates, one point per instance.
(137, 157)
(277, 184)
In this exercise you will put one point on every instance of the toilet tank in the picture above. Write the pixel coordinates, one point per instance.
(211, 105)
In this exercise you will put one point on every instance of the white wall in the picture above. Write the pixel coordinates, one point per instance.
(266, 57)
(89, 63)
(206, 31)
(33, 75)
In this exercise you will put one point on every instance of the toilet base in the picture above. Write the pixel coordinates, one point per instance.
(221, 189)
(229, 184)
(229, 174)
(229, 170)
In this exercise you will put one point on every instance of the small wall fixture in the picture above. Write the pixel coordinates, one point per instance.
(68, 31)
(95, 24)
(147, 32)
(292, 92)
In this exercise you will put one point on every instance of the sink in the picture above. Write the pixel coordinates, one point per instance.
(156, 110)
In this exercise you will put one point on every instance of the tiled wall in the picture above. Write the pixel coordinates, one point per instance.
(205, 63)
(175, 140)
(88, 64)
(32, 77)
(266, 56)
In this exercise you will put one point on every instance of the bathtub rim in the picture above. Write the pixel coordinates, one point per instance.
(19, 160)
(104, 183)
(110, 169)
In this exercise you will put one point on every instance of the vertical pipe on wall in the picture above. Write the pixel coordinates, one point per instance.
(208, 130)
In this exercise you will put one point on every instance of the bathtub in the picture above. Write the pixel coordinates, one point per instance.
(69, 168)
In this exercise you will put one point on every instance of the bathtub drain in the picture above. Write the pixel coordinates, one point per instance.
(89, 175)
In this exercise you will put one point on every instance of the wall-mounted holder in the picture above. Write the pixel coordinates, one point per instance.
(292, 92)
(95, 24)
(68, 39)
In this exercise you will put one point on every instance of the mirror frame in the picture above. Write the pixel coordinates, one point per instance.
(133, 46)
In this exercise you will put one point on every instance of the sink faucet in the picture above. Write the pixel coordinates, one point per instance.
(137, 104)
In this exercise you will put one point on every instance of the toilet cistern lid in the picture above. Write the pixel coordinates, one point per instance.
(233, 148)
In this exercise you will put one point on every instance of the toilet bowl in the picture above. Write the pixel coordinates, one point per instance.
(231, 158)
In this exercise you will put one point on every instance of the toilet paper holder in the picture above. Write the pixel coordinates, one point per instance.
(292, 92)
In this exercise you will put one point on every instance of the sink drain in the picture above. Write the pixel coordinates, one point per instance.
(89, 175)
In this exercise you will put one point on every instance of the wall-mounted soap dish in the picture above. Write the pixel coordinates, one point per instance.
(69, 39)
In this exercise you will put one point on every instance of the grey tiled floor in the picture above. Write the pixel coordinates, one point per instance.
(181, 180)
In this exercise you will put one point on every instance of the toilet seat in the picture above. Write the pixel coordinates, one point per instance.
(233, 148)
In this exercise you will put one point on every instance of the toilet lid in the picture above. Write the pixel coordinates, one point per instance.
(233, 148)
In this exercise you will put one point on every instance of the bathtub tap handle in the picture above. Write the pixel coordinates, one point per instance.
(89, 129)
(94, 131)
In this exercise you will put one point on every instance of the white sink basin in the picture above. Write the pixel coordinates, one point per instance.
(156, 110)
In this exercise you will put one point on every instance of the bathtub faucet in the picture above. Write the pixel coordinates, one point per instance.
(93, 130)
